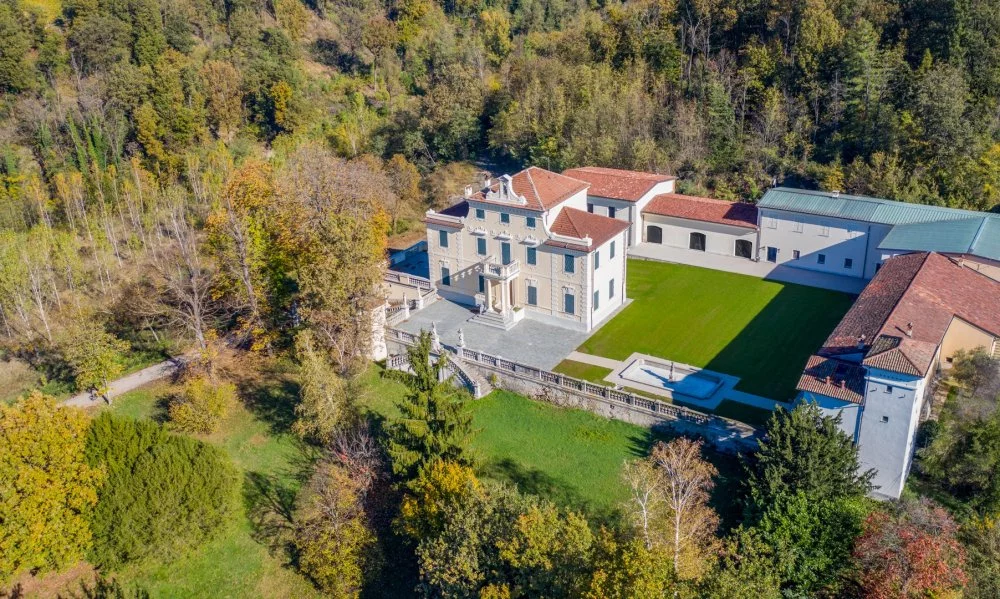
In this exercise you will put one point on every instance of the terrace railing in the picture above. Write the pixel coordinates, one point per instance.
(587, 389)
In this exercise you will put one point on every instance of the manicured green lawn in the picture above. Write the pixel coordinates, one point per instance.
(580, 370)
(761, 331)
(239, 562)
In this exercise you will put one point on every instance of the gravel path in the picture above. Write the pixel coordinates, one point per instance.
(127, 383)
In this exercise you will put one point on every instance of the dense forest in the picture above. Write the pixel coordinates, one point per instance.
(222, 180)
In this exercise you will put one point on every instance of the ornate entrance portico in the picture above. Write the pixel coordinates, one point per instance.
(499, 306)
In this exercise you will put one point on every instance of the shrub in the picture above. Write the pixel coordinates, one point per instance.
(163, 492)
(202, 405)
(46, 486)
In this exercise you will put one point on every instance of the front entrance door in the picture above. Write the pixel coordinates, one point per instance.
(772, 254)
(744, 248)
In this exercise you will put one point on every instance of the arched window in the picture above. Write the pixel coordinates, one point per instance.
(697, 242)
(654, 234)
(744, 248)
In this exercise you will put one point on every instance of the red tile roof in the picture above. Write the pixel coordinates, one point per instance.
(834, 378)
(579, 224)
(617, 184)
(541, 189)
(737, 214)
(905, 311)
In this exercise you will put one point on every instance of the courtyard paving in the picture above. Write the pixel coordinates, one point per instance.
(762, 269)
(530, 342)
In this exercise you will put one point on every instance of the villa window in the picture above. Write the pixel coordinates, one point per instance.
(848, 263)
(481, 246)
(532, 256)
(611, 288)
(885, 419)
(597, 259)
(772, 223)
(772, 254)
(796, 254)
(529, 222)
(888, 388)
(612, 250)
(532, 295)
(569, 265)
(820, 258)
(824, 231)
(796, 227)
(611, 211)
(505, 253)
(744, 248)
(443, 237)
(590, 208)
(480, 214)
(654, 234)
(482, 284)
(445, 276)
(504, 218)
(569, 303)
(697, 242)
(597, 300)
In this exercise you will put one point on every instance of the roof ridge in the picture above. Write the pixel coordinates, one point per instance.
(979, 232)
(906, 289)
(531, 181)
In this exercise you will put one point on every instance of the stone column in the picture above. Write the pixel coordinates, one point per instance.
(406, 307)
(488, 291)
(504, 301)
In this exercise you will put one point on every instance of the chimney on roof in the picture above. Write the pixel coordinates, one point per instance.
(468, 190)
(861, 341)
(827, 379)
(836, 193)
(487, 182)
(909, 329)
(843, 383)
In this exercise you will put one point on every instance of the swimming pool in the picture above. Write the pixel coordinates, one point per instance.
(675, 378)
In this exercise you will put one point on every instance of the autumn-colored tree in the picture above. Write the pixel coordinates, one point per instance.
(647, 491)
(221, 80)
(689, 522)
(238, 231)
(628, 569)
(46, 486)
(325, 397)
(332, 534)
(202, 405)
(910, 550)
(97, 357)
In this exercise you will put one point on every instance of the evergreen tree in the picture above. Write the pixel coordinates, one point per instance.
(804, 451)
(434, 424)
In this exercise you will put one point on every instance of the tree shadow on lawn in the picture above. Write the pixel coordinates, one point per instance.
(770, 352)
(272, 399)
(536, 482)
(269, 501)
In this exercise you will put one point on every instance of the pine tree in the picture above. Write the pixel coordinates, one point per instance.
(434, 424)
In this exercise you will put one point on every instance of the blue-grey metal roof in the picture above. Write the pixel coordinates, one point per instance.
(979, 236)
(860, 208)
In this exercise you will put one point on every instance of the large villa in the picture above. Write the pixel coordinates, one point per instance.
(552, 248)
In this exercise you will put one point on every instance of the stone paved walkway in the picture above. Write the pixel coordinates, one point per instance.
(530, 342)
(764, 270)
(127, 383)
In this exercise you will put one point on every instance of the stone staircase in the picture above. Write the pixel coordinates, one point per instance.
(500, 320)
